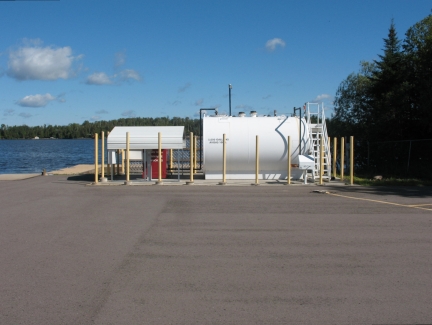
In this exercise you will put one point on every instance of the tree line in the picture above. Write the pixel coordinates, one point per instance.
(88, 129)
(389, 101)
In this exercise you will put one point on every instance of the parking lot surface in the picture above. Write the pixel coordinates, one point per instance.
(77, 254)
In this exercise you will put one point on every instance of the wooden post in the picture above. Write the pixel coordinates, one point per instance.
(342, 160)
(195, 154)
(171, 160)
(108, 164)
(127, 158)
(257, 161)
(352, 160)
(191, 159)
(334, 155)
(96, 155)
(321, 160)
(223, 160)
(289, 161)
(102, 156)
(159, 181)
(122, 162)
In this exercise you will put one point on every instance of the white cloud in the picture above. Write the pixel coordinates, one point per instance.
(25, 115)
(128, 74)
(129, 113)
(102, 111)
(35, 100)
(199, 102)
(184, 88)
(101, 78)
(98, 78)
(33, 62)
(322, 98)
(273, 43)
(9, 112)
(95, 118)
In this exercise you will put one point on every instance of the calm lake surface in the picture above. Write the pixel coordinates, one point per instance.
(32, 156)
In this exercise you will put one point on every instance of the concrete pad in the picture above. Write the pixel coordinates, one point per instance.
(74, 170)
(16, 177)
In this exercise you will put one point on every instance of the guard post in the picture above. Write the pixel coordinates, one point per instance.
(223, 160)
(191, 159)
(96, 157)
(256, 161)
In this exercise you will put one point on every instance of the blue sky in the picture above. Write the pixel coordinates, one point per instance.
(69, 61)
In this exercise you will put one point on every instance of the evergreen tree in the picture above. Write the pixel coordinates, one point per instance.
(418, 50)
(387, 91)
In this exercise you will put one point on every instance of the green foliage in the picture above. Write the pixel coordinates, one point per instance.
(352, 103)
(88, 129)
(389, 99)
(418, 51)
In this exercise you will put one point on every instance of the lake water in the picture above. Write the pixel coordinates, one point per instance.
(32, 156)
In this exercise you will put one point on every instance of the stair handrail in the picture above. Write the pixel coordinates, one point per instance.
(326, 140)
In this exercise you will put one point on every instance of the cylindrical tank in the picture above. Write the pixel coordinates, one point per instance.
(241, 133)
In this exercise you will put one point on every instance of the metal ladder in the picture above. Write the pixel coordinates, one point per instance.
(317, 128)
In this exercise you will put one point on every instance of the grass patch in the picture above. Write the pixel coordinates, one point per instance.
(390, 181)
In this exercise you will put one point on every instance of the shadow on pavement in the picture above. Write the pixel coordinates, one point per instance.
(403, 191)
(82, 177)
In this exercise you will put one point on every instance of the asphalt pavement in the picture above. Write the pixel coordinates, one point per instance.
(77, 254)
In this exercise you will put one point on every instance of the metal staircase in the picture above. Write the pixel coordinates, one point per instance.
(316, 122)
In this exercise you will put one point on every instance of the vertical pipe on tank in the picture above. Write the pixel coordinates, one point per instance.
(127, 158)
(102, 156)
(334, 155)
(96, 158)
(223, 160)
(229, 89)
(159, 181)
(191, 159)
(352, 160)
(342, 162)
(321, 160)
(300, 136)
(256, 161)
(289, 161)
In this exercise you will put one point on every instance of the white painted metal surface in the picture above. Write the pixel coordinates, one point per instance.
(306, 163)
(241, 133)
(145, 137)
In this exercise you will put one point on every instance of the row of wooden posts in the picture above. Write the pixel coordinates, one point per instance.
(193, 156)
(126, 164)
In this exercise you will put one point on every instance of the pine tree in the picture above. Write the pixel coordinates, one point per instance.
(388, 98)
(418, 50)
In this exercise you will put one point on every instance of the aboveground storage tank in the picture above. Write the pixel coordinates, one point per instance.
(241, 132)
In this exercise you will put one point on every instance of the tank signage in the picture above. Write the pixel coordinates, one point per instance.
(216, 140)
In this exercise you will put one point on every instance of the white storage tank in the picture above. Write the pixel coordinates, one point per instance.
(241, 132)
